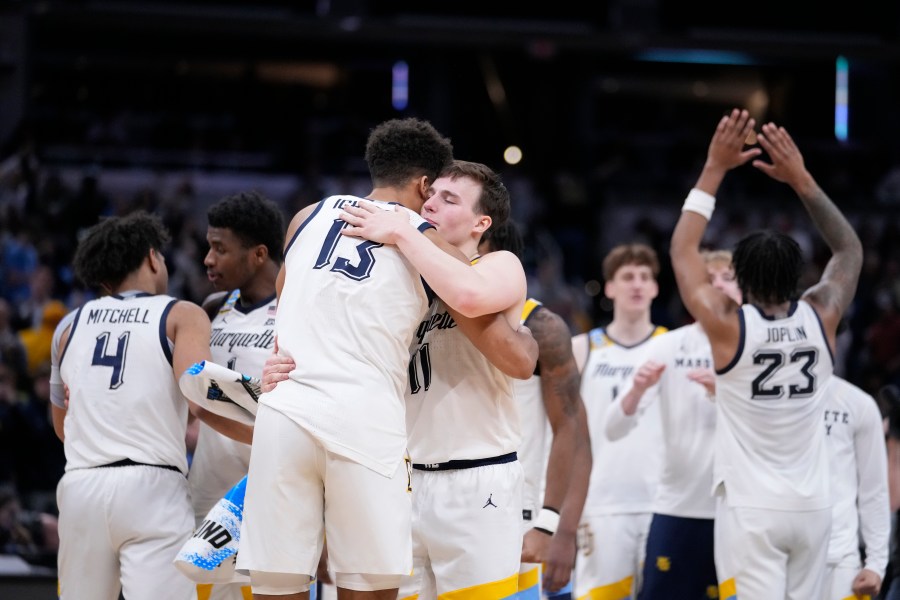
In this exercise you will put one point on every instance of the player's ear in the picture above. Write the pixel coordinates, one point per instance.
(154, 259)
(424, 186)
(260, 254)
(483, 223)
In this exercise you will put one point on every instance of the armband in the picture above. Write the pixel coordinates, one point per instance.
(700, 202)
(547, 520)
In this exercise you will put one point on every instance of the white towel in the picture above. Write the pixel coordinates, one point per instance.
(209, 555)
(222, 391)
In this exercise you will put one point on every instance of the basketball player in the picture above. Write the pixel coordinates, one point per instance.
(773, 359)
(556, 460)
(462, 419)
(625, 472)
(124, 503)
(246, 236)
(859, 490)
(329, 443)
(679, 557)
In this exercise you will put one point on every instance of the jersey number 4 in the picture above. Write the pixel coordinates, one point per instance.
(773, 361)
(357, 272)
(116, 360)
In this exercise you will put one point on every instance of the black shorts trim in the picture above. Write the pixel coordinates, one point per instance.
(127, 462)
(453, 465)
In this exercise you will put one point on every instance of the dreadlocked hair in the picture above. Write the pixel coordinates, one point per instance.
(767, 265)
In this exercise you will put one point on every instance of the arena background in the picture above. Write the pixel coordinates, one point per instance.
(109, 106)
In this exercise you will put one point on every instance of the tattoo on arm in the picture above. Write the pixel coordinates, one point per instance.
(557, 363)
(842, 270)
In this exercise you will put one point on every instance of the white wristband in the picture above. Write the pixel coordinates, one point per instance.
(700, 202)
(547, 520)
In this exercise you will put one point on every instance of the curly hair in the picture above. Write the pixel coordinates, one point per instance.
(253, 218)
(630, 254)
(116, 246)
(399, 150)
(768, 265)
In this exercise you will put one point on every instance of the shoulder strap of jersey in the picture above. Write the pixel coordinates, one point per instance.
(531, 306)
(597, 338)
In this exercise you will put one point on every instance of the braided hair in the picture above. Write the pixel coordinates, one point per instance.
(768, 265)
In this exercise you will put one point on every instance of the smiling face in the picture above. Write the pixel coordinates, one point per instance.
(451, 208)
(632, 288)
(229, 262)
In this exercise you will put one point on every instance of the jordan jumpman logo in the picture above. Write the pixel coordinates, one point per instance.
(489, 502)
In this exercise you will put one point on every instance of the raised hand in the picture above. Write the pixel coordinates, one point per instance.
(787, 163)
(706, 378)
(726, 149)
(647, 375)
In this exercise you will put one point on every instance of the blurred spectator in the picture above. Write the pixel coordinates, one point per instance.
(18, 261)
(29, 311)
(37, 340)
(12, 352)
(39, 459)
(88, 205)
(29, 534)
(10, 396)
(883, 336)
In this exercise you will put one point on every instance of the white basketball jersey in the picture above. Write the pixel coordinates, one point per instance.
(242, 339)
(859, 481)
(459, 406)
(124, 402)
(770, 443)
(347, 315)
(688, 425)
(625, 472)
(536, 432)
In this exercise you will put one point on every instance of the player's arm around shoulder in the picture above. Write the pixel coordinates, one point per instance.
(496, 283)
(511, 349)
(502, 285)
(507, 345)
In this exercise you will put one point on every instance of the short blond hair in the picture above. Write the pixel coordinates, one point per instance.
(716, 256)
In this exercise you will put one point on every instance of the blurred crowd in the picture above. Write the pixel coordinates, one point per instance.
(43, 211)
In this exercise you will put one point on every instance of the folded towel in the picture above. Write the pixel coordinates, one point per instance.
(222, 391)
